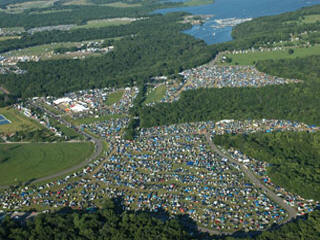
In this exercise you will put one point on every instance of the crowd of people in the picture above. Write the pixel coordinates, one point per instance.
(170, 168)
(94, 102)
(215, 76)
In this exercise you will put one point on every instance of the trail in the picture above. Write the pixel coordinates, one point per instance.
(291, 211)
(97, 151)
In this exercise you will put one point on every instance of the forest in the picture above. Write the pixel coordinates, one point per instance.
(111, 222)
(74, 14)
(276, 28)
(294, 158)
(83, 34)
(292, 102)
(156, 51)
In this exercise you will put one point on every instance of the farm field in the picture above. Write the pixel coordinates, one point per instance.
(18, 121)
(197, 2)
(105, 23)
(156, 95)
(251, 58)
(23, 162)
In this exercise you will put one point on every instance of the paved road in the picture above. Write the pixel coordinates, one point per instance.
(291, 211)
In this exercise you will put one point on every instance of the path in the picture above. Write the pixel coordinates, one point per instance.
(97, 151)
(291, 211)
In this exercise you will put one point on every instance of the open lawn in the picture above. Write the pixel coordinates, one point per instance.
(23, 162)
(156, 95)
(311, 18)
(18, 121)
(105, 23)
(40, 50)
(4, 38)
(77, 2)
(114, 97)
(251, 58)
(88, 120)
(197, 2)
(122, 5)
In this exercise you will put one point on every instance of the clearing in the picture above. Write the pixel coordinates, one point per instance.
(251, 58)
(105, 23)
(114, 97)
(156, 94)
(18, 121)
(24, 162)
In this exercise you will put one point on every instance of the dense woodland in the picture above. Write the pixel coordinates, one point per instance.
(83, 34)
(275, 28)
(294, 158)
(111, 222)
(293, 102)
(154, 47)
(155, 51)
(74, 14)
(107, 223)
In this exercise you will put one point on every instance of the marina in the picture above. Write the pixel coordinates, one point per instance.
(235, 10)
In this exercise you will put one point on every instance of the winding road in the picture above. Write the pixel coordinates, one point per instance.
(97, 149)
(291, 211)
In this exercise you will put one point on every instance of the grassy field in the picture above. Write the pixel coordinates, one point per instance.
(77, 2)
(23, 162)
(104, 23)
(40, 50)
(251, 58)
(156, 95)
(88, 120)
(18, 122)
(122, 5)
(4, 38)
(197, 2)
(45, 51)
(311, 18)
(114, 97)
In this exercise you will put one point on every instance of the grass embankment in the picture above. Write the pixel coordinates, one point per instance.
(18, 122)
(156, 94)
(23, 162)
(252, 58)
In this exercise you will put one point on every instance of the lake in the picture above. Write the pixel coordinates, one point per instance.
(211, 32)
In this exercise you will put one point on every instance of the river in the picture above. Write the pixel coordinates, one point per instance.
(212, 33)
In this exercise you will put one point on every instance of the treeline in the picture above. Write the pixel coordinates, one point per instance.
(38, 135)
(74, 14)
(293, 102)
(83, 34)
(294, 158)
(7, 99)
(107, 223)
(111, 222)
(306, 227)
(5, 3)
(276, 28)
(158, 51)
